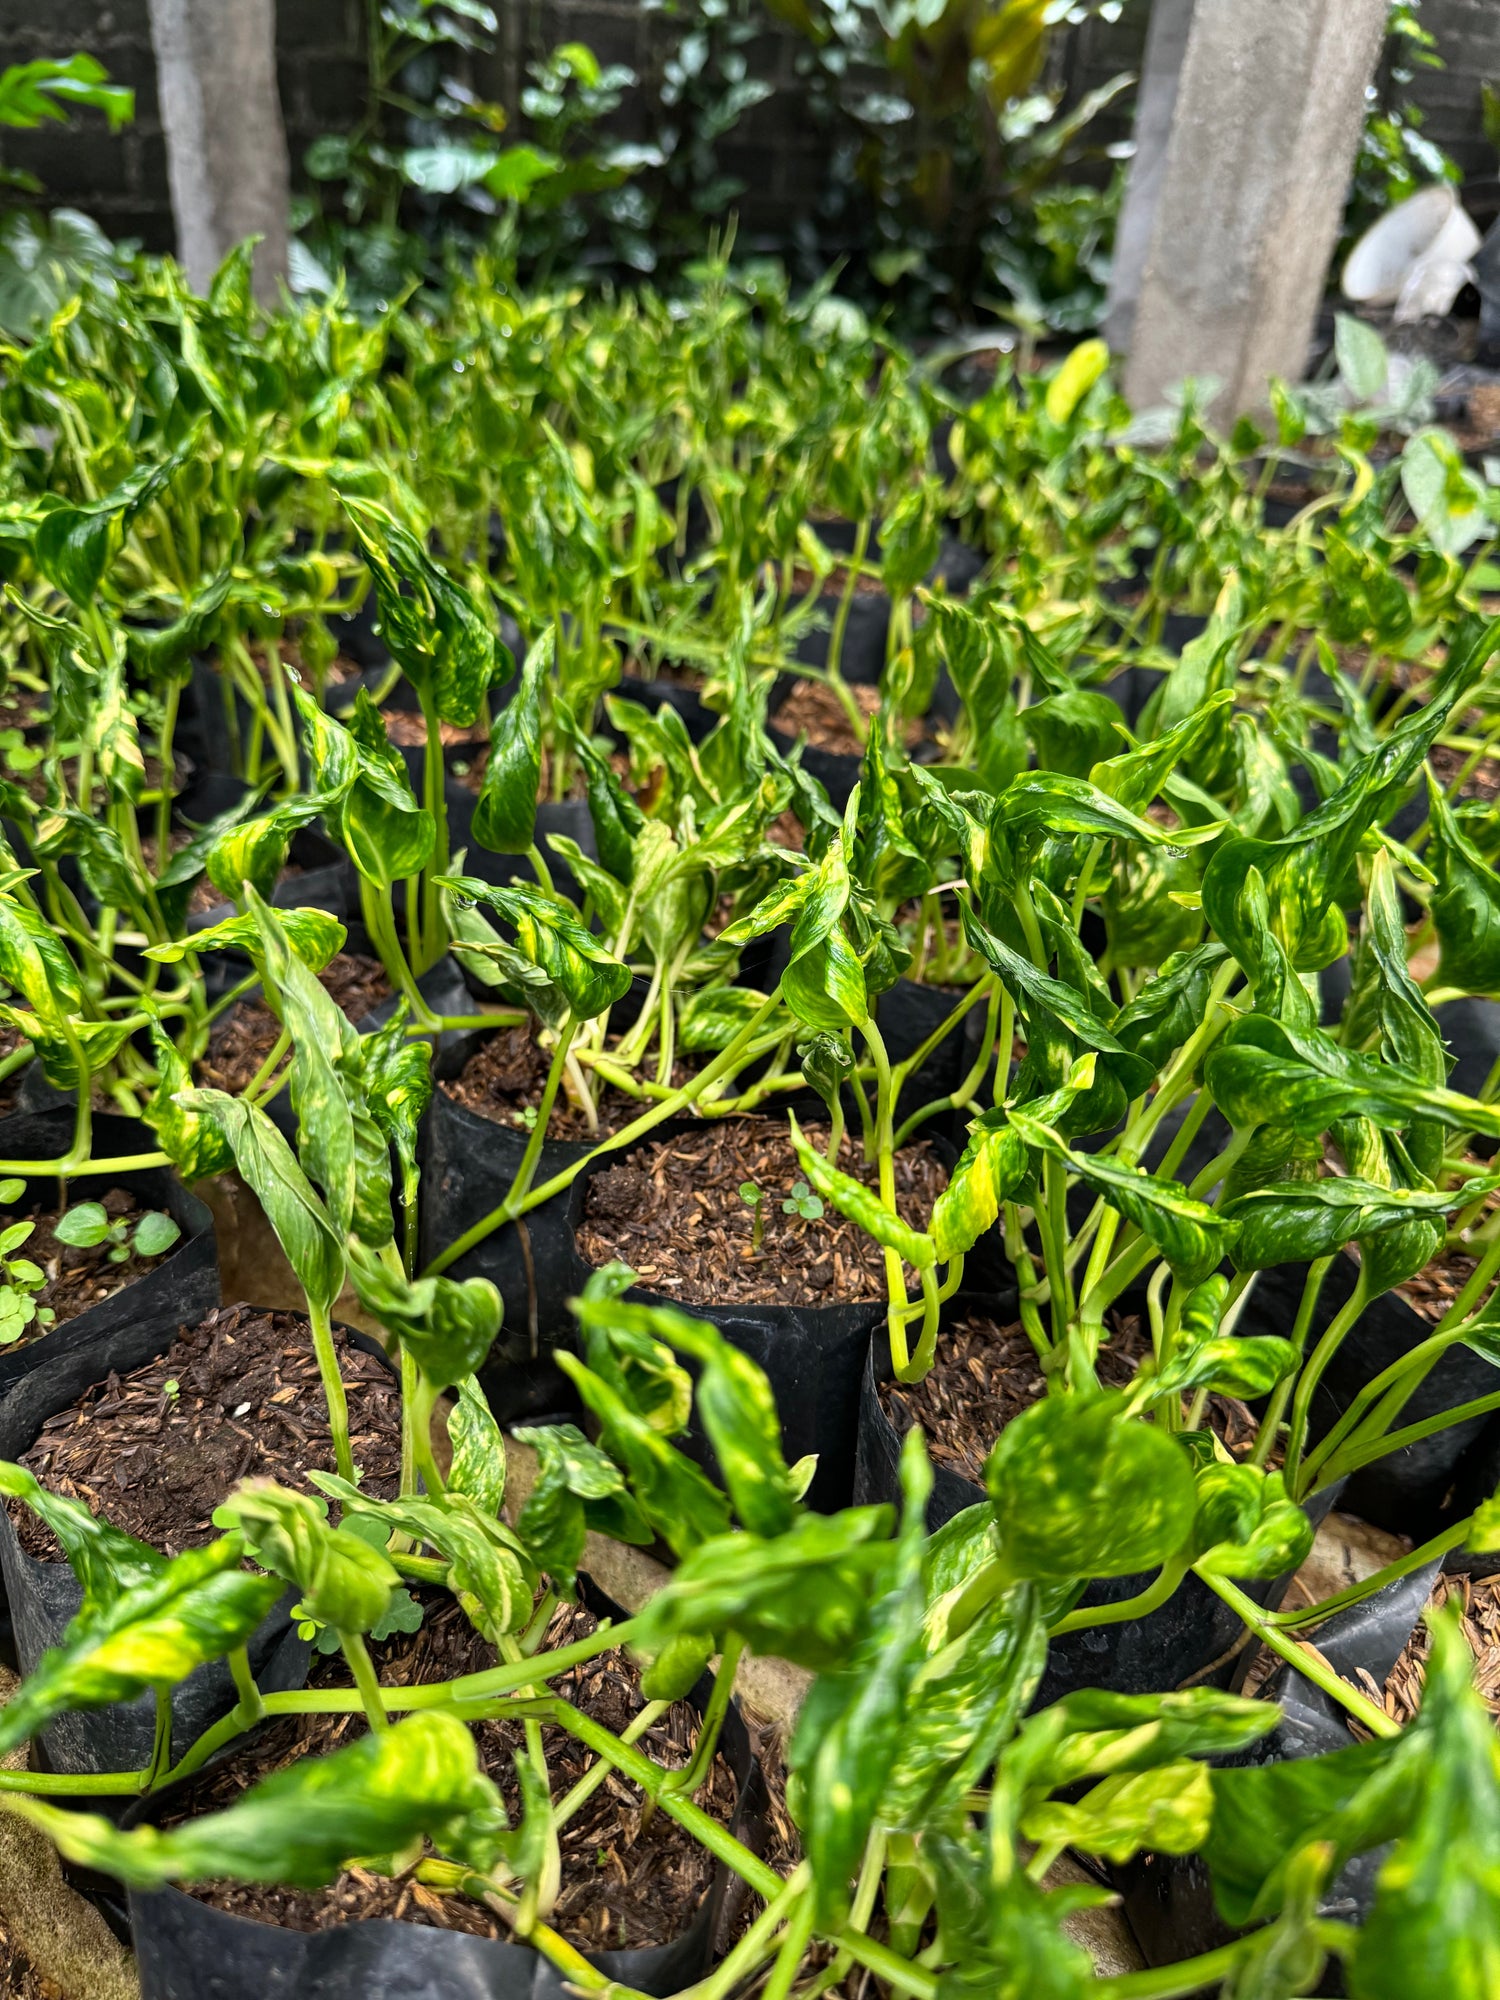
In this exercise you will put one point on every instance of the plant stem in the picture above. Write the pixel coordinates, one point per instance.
(365, 1679)
(1312, 1373)
(668, 1107)
(333, 1389)
(1300, 1655)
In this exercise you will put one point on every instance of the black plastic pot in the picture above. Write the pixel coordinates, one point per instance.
(183, 1285)
(186, 1950)
(1147, 1655)
(1169, 1898)
(812, 1355)
(1405, 1491)
(651, 694)
(43, 1596)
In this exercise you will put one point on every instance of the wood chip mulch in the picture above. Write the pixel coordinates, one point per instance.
(985, 1375)
(630, 1877)
(504, 1079)
(1479, 1598)
(248, 1404)
(1483, 782)
(1432, 1291)
(79, 1278)
(247, 1034)
(672, 1210)
(814, 710)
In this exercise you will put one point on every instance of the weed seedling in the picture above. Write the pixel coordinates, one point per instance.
(802, 1201)
(19, 1277)
(87, 1226)
(755, 1201)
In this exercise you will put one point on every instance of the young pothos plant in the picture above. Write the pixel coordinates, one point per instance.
(931, 1796)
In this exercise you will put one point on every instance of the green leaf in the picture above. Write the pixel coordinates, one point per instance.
(155, 1234)
(674, 1495)
(1435, 1924)
(447, 1325)
(1166, 1810)
(255, 851)
(478, 1449)
(83, 1226)
(269, 1167)
(105, 1560)
(1363, 360)
(1079, 1489)
(734, 1404)
(1100, 1732)
(1465, 904)
(489, 1570)
(379, 1796)
(1263, 1071)
(861, 1205)
(1292, 1222)
(1355, 1799)
(804, 1597)
(195, 1146)
(432, 627)
(991, 1168)
(152, 1634)
(576, 1486)
(577, 970)
(1246, 1526)
(517, 169)
(315, 936)
(505, 812)
(851, 1725)
(1072, 732)
(1188, 1233)
(344, 1581)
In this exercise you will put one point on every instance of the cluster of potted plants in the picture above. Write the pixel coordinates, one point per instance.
(904, 992)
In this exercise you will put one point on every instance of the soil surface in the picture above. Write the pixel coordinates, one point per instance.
(248, 1403)
(504, 1079)
(813, 709)
(19, 1978)
(628, 1878)
(986, 1374)
(1483, 782)
(673, 1211)
(80, 1278)
(1479, 1598)
(241, 1042)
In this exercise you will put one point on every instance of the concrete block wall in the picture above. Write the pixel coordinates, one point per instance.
(121, 179)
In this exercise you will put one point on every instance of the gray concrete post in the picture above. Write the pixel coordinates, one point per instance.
(226, 144)
(1155, 103)
(1266, 122)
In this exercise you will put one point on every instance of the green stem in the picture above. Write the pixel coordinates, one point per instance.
(333, 1389)
(1146, 1601)
(1356, 1593)
(1302, 1657)
(1270, 1423)
(1312, 1373)
(694, 1775)
(668, 1107)
(366, 1680)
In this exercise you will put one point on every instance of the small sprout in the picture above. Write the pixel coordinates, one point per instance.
(526, 1117)
(88, 1226)
(171, 1388)
(11, 1192)
(802, 1201)
(20, 1278)
(755, 1201)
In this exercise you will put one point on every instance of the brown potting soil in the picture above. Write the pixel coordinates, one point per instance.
(834, 586)
(78, 1278)
(248, 1402)
(1438, 1284)
(241, 1042)
(1483, 782)
(630, 1878)
(814, 710)
(203, 896)
(504, 1079)
(1479, 1601)
(673, 1211)
(985, 1375)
